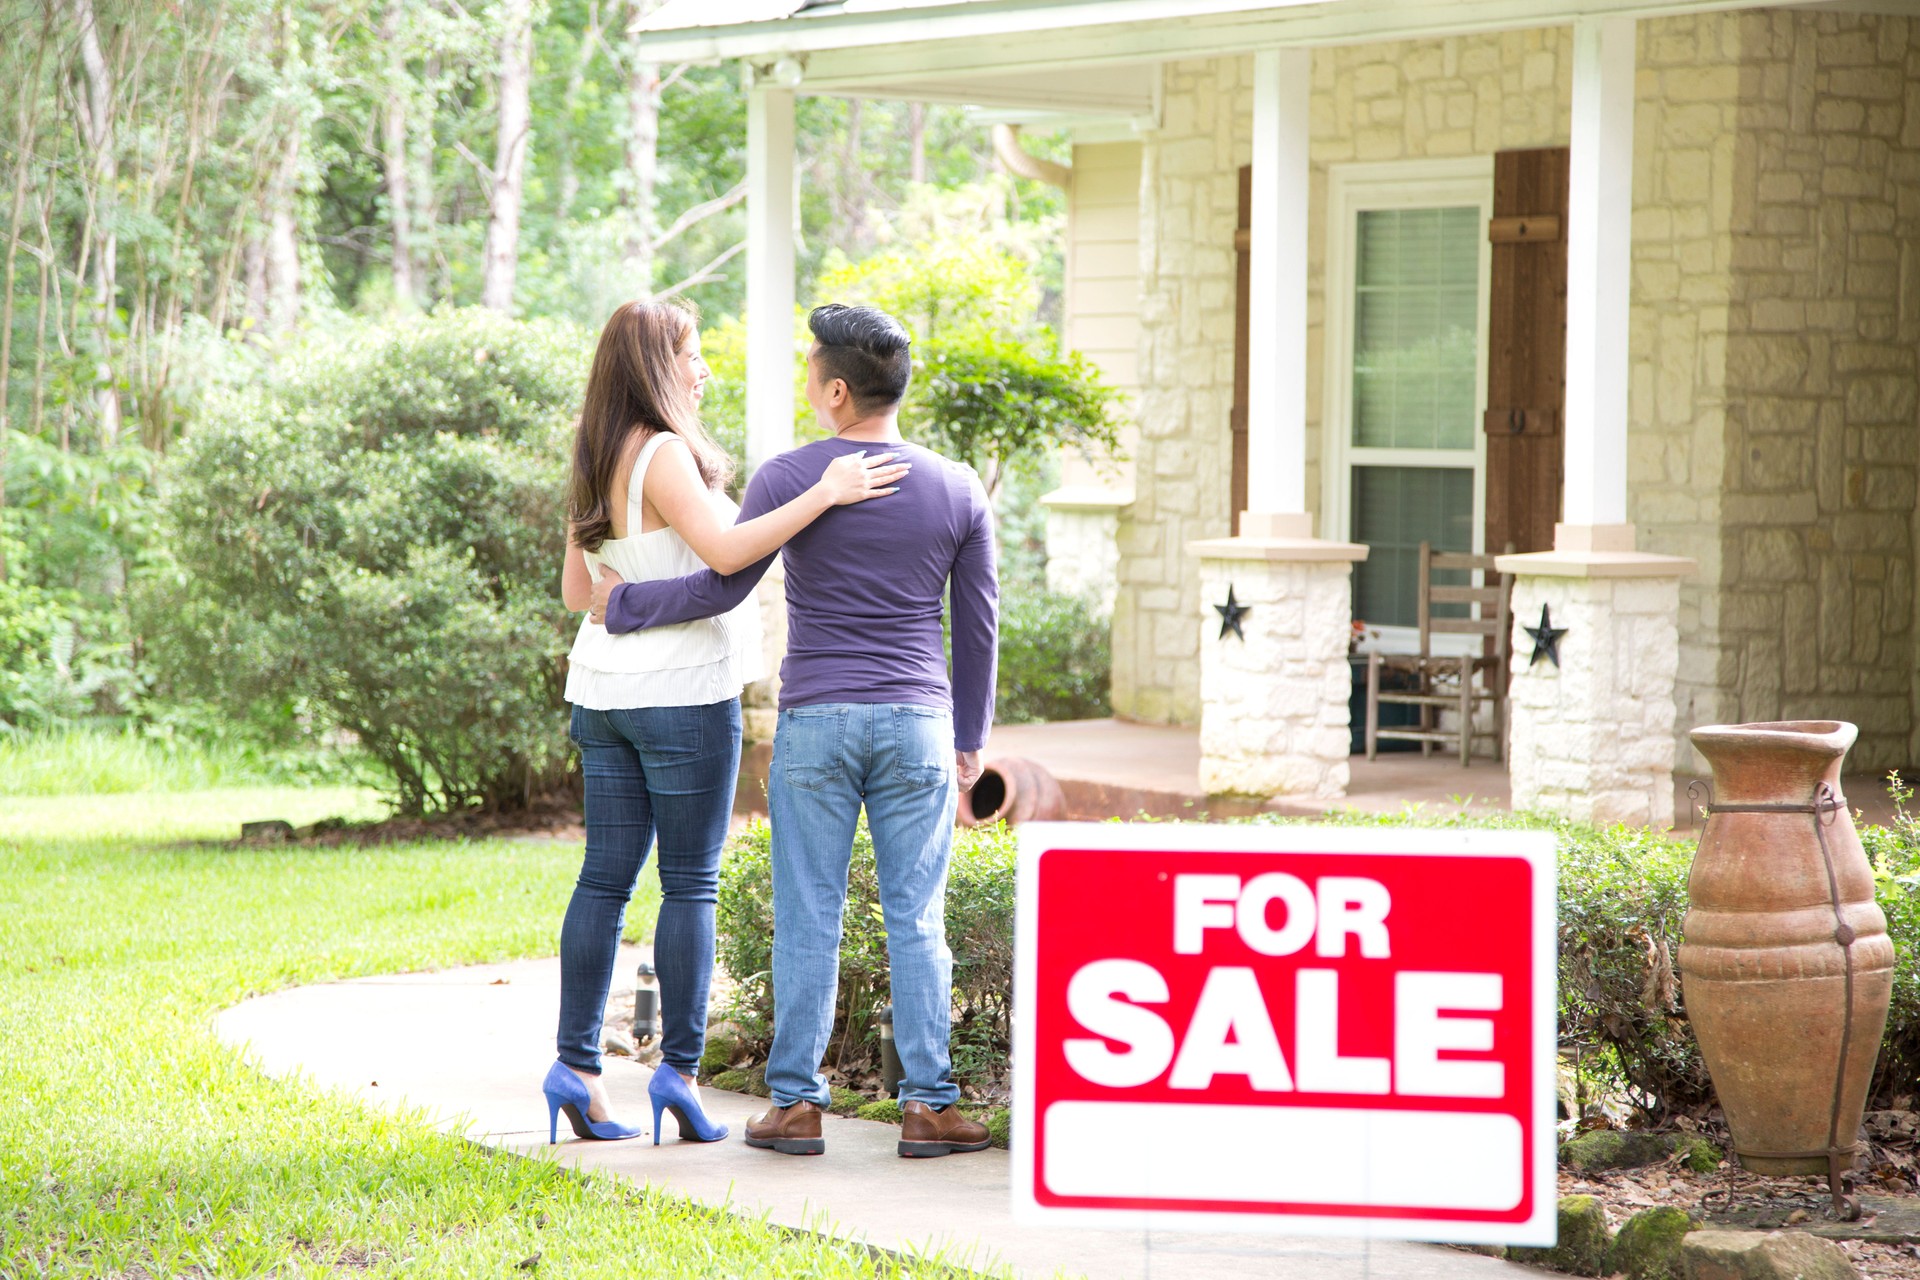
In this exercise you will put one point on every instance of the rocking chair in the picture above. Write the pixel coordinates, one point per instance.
(1461, 683)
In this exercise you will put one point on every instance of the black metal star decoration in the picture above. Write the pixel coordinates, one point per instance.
(1546, 639)
(1230, 614)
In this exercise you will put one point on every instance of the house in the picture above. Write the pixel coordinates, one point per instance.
(1631, 286)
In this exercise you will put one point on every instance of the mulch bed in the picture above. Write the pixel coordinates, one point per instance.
(558, 818)
(1731, 1197)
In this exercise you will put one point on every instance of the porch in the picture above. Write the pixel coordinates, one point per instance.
(1120, 769)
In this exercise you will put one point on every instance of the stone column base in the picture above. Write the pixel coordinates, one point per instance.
(1083, 542)
(1274, 717)
(1592, 738)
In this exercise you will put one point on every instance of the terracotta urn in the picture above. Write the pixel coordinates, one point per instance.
(1786, 965)
(1015, 790)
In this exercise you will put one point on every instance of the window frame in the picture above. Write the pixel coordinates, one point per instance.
(1353, 189)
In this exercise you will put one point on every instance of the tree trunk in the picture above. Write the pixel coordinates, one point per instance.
(393, 154)
(643, 155)
(510, 156)
(851, 233)
(26, 127)
(426, 198)
(917, 141)
(569, 180)
(283, 237)
(96, 127)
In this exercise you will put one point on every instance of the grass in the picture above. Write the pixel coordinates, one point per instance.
(71, 762)
(133, 1143)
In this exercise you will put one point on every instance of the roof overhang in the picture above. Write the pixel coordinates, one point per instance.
(854, 45)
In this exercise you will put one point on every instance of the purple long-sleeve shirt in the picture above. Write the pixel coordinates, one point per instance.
(864, 589)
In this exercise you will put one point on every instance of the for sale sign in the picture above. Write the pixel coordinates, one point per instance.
(1292, 1029)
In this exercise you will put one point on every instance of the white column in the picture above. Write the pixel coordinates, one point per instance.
(1599, 270)
(1277, 312)
(769, 273)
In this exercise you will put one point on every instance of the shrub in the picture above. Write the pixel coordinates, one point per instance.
(70, 532)
(380, 534)
(1621, 900)
(990, 402)
(979, 920)
(1056, 658)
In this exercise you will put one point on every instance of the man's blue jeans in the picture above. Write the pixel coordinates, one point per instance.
(665, 772)
(827, 761)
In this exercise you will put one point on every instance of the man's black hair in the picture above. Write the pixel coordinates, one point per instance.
(867, 349)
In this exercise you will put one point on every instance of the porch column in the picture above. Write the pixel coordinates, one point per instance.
(1599, 270)
(770, 174)
(1277, 310)
(1592, 707)
(769, 273)
(1274, 689)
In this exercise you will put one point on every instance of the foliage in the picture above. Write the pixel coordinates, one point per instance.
(1056, 659)
(992, 386)
(380, 532)
(133, 1142)
(989, 401)
(1623, 893)
(1621, 900)
(979, 924)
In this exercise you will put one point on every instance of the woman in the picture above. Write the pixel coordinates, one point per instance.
(656, 714)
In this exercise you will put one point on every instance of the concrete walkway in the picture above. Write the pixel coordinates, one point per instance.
(469, 1046)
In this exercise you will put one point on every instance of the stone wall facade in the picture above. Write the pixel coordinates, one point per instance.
(1083, 546)
(1822, 372)
(1182, 456)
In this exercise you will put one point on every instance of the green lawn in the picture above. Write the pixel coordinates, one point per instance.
(133, 1143)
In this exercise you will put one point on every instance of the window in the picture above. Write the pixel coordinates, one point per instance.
(1406, 321)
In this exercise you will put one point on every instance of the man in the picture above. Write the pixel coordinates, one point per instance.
(867, 716)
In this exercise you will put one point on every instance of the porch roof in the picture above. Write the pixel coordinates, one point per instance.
(856, 46)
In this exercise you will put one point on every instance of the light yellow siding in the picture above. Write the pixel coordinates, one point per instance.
(1102, 306)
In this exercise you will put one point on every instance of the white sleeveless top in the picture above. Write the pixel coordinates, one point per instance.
(688, 664)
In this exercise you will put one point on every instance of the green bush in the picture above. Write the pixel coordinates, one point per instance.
(1621, 900)
(979, 920)
(379, 534)
(69, 533)
(1056, 658)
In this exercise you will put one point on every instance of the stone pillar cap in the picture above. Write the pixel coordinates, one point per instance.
(1597, 564)
(1277, 549)
(1091, 496)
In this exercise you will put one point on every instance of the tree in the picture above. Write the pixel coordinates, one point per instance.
(375, 535)
(393, 155)
(514, 135)
(643, 152)
(96, 111)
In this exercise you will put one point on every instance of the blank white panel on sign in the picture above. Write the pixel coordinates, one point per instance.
(1283, 1155)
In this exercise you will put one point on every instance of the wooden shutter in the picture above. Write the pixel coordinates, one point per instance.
(1242, 310)
(1527, 348)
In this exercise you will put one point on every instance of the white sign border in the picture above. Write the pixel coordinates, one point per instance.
(1537, 847)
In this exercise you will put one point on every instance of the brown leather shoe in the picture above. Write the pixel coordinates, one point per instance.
(926, 1132)
(792, 1131)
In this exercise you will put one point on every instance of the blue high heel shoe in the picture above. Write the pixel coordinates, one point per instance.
(567, 1092)
(671, 1092)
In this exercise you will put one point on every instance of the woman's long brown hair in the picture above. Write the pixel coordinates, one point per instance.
(635, 386)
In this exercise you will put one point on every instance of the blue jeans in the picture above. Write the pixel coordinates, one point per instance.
(828, 761)
(665, 771)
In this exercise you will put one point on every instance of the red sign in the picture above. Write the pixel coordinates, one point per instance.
(1286, 1028)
